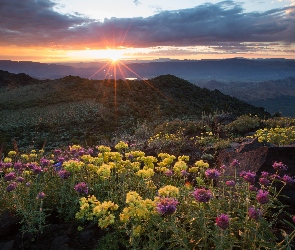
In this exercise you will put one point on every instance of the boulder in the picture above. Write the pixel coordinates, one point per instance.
(257, 157)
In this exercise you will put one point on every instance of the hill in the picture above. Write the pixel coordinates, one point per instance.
(273, 95)
(73, 109)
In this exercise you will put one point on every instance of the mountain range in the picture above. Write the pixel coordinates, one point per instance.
(276, 96)
(226, 70)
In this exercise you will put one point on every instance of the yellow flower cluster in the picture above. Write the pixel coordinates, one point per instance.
(278, 136)
(75, 147)
(167, 160)
(25, 157)
(201, 164)
(103, 149)
(179, 166)
(11, 153)
(104, 171)
(73, 165)
(183, 158)
(121, 146)
(7, 160)
(137, 209)
(103, 212)
(92, 209)
(110, 156)
(148, 161)
(136, 155)
(169, 191)
(145, 173)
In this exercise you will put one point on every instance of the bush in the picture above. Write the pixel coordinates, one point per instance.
(243, 124)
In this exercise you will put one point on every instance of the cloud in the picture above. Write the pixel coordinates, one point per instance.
(136, 2)
(35, 23)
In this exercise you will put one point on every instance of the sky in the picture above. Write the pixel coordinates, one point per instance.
(91, 30)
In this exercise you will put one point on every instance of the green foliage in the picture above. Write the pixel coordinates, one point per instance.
(243, 124)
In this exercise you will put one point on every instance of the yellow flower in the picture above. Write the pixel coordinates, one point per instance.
(104, 171)
(7, 160)
(145, 173)
(169, 191)
(11, 153)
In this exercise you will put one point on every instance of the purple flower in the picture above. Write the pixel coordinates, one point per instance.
(249, 177)
(262, 196)
(44, 162)
(166, 206)
(81, 188)
(275, 177)
(223, 167)
(18, 165)
(288, 179)
(212, 174)
(184, 172)
(254, 213)
(279, 166)
(20, 179)
(168, 172)
(253, 188)
(64, 174)
(230, 183)
(11, 186)
(202, 195)
(293, 218)
(10, 176)
(7, 165)
(41, 195)
(28, 184)
(57, 152)
(264, 174)
(37, 170)
(222, 221)
(234, 163)
(264, 181)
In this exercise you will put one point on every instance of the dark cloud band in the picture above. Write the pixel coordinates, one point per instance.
(35, 23)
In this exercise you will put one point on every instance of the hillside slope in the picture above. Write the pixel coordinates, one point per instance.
(72, 108)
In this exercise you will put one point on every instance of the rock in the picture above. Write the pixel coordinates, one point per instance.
(9, 224)
(256, 157)
(224, 119)
(60, 243)
(7, 245)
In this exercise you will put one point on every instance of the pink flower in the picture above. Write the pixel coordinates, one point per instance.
(279, 166)
(254, 213)
(264, 181)
(234, 163)
(230, 183)
(202, 195)
(81, 188)
(212, 174)
(40, 196)
(262, 196)
(222, 221)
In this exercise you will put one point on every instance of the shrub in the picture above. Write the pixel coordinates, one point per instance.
(243, 124)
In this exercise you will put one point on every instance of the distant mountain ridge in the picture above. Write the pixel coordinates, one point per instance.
(274, 95)
(242, 70)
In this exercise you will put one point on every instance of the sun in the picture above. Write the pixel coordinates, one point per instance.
(114, 54)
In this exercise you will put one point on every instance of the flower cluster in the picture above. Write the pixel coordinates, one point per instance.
(222, 221)
(169, 191)
(202, 194)
(166, 206)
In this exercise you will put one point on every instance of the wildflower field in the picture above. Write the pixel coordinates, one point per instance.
(148, 202)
